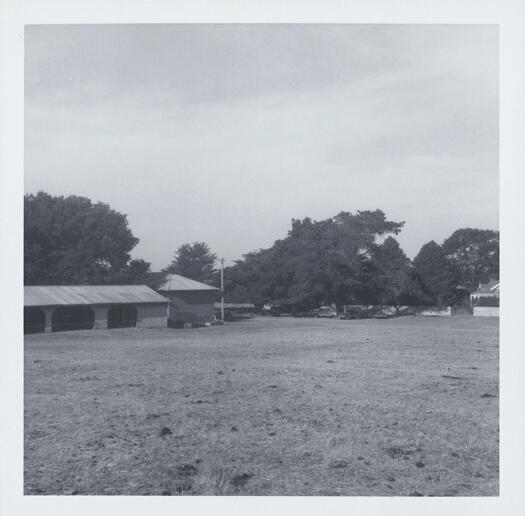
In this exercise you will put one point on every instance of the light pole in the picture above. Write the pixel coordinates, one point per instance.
(222, 290)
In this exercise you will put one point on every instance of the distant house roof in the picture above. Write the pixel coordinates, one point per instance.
(50, 295)
(486, 288)
(176, 282)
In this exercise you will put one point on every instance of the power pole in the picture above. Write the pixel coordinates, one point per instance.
(222, 290)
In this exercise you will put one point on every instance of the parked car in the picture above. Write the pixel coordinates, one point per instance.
(325, 312)
(382, 315)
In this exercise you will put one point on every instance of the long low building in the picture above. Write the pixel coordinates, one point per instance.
(76, 307)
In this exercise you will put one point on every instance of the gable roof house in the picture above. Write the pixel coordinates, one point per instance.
(190, 301)
(490, 289)
(485, 300)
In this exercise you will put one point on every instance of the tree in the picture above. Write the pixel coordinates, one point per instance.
(195, 261)
(475, 254)
(70, 240)
(325, 261)
(135, 273)
(395, 279)
(437, 273)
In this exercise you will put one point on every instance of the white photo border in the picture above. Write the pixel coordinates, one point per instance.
(508, 15)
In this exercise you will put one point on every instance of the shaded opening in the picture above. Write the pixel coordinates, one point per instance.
(34, 320)
(122, 316)
(67, 318)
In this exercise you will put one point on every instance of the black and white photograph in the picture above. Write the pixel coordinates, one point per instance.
(261, 260)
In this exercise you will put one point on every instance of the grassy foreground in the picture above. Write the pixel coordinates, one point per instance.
(270, 406)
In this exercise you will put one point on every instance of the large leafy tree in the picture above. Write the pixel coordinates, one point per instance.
(475, 254)
(70, 240)
(438, 274)
(195, 261)
(395, 279)
(327, 261)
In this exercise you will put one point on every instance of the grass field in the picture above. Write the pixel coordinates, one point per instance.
(269, 406)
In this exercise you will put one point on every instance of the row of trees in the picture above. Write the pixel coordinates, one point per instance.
(352, 258)
(70, 240)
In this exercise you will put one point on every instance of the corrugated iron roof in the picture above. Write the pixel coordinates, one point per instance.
(491, 286)
(175, 282)
(89, 295)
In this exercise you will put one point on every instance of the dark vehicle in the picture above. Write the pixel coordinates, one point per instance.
(325, 312)
(382, 315)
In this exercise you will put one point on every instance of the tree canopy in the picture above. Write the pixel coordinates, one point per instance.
(318, 262)
(475, 254)
(70, 240)
(438, 274)
(195, 261)
(396, 280)
(351, 258)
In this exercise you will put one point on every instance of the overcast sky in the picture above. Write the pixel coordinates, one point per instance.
(224, 133)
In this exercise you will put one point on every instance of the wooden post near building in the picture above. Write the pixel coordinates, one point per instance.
(222, 290)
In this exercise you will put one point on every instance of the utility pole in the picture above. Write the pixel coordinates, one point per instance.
(222, 290)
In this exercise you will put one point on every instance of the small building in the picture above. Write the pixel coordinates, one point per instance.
(79, 307)
(485, 300)
(190, 301)
(488, 290)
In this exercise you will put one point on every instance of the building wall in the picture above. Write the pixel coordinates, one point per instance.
(486, 311)
(149, 315)
(191, 307)
(193, 297)
(152, 315)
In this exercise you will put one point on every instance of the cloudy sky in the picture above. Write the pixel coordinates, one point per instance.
(224, 133)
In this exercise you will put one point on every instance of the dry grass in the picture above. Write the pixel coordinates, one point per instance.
(271, 406)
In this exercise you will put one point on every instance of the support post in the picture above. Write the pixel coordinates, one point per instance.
(101, 317)
(48, 311)
(222, 290)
